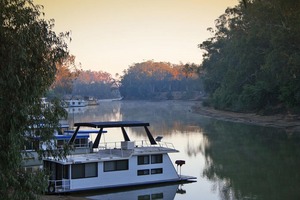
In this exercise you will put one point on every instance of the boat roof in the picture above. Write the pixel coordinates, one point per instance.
(112, 124)
(69, 132)
(65, 137)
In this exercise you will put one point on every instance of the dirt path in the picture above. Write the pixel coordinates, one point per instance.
(291, 123)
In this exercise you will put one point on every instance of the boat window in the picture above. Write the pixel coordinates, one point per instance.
(77, 171)
(152, 197)
(144, 197)
(86, 170)
(66, 171)
(77, 142)
(157, 196)
(91, 170)
(115, 165)
(157, 171)
(143, 160)
(156, 158)
(109, 166)
(143, 172)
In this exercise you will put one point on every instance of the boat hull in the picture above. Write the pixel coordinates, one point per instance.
(180, 180)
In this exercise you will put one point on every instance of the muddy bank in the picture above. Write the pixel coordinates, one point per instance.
(291, 123)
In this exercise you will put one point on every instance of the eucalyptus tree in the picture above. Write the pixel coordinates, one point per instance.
(29, 52)
(251, 62)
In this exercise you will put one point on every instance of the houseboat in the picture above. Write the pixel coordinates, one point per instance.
(118, 164)
(76, 103)
(81, 144)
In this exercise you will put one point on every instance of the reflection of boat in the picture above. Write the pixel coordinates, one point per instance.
(122, 164)
(165, 192)
(76, 109)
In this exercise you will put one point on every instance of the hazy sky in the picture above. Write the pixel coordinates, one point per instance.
(111, 35)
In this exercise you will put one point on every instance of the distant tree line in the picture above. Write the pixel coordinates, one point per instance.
(252, 61)
(72, 81)
(159, 80)
(99, 84)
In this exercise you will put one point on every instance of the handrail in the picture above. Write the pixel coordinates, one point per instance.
(58, 185)
(138, 143)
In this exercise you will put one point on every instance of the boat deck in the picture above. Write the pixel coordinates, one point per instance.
(118, 153)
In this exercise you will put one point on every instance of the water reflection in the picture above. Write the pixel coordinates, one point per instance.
(247, 162)
(230, 161)
(163, 192)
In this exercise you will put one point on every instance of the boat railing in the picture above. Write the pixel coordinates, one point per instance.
(112, 149)
(166, 144)
(59, 185)
(138, 143)
(109, 145)
(145, 143)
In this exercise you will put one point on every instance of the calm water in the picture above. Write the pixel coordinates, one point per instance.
(230, 160)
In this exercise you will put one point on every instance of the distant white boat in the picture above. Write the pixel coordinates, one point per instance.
(117, 164)
(107, 100)
(76, 103)
(91, 101)
(118, 99)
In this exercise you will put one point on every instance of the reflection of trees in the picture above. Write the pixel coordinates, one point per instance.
(196, 145)
(165, 117)
(106, 111)
(253, 162)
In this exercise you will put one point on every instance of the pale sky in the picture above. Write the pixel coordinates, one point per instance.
(111, 35)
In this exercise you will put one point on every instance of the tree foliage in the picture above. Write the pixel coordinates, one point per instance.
(97, 84)
(252, 61)
(147, 80)
(70, 80)
(66, 73)
(30, 51)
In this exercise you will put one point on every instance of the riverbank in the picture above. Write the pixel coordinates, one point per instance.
(290, 123)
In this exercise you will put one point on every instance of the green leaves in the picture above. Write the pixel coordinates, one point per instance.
(29, 53)
(256, 42)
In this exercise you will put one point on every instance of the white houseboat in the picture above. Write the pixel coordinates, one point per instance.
(76, 103)
(127, 163)
(81, 144)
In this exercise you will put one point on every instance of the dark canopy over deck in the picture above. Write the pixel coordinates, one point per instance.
(112, 124)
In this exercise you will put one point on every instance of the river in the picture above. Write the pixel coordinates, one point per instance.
(230, 160)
